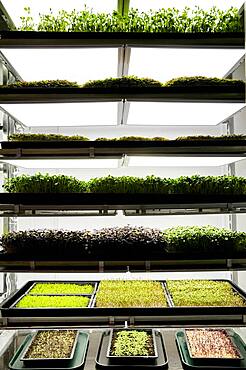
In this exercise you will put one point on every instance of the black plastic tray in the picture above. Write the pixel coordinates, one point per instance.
(103, 362)
(117, 200)
(197, 315)
(165, 293)
(188, 363)
(76, 363)
(10, 302)
(234, 286)
(72, 39)
(223, 94)
(237, 91)
(124, 145)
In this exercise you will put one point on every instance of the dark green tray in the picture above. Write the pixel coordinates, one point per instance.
(76, 363)
(188, 363)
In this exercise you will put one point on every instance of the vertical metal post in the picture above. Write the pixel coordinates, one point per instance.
(124, 54)
(1, 73)
(10, 124)
(5, 74)
(9, 224)
(123, 6)
(8, 75)
(120, 5)
(232, 172)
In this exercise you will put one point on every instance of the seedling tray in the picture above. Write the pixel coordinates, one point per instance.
(225, 93)
(105, 147)
(14, 298)
(215, 360)
(142, 316)
(103, 362)
(93, 304)
(130, 359)
(188, 362)
(76, 363)
(44, 362)
(234, 286)
(120, 200)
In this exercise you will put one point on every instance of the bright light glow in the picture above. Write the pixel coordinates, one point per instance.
(164, 64)
(64, 163)
(134, 161)
(181, 161)
(15, 8)
(69, 114)
(79, 65)
(180, 113)
(180, 4)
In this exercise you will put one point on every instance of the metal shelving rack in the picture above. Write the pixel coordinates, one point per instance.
(71, 95)
(12, 207)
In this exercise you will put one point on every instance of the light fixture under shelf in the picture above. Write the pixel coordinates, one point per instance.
(197, 114)
(64, 163)
(77, 65)
(193, 161)
(195, 62)
(69, 114)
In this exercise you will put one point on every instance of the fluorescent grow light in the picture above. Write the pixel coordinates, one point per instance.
(69, 114)
(172, 63)
(16, 8)
(181, 161)
(158, 4)
(79, 65)
(180, 113)
(64, 163)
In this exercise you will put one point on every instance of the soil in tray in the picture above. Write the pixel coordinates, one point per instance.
(131, 343)
(75, 363)
(61, 288)
(131, 293)
(196, 293)
(32, 301)
(52, 344)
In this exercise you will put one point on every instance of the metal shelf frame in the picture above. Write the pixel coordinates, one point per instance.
(12, 39)
(32, 39)
(106, 321)
(102, 149)
(18, 264)
(59, 204)
(64, 95)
